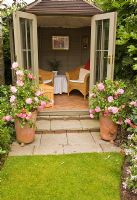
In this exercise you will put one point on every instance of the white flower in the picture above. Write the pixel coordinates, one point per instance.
(36, 99)
(13, 89)
(124, 185)
(14, 65)
(19, 73)
(12, 99)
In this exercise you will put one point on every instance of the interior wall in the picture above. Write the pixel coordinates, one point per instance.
(75, 56)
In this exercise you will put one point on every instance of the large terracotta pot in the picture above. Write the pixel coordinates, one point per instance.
(108, 129)
(26, 134)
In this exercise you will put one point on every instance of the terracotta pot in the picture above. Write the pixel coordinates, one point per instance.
(133, 125)
(26, 134)
(108, 129)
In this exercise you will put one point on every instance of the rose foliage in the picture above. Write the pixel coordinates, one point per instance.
(110, 98)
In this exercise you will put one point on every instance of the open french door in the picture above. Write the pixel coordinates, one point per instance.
(102, 53)
(25, 40)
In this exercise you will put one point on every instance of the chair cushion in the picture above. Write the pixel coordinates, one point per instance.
(82, 74)
(47, 81)
(76, 81)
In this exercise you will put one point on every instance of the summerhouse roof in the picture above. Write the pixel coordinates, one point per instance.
(63, 7)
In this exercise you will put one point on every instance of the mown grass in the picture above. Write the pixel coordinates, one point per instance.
(94, 176)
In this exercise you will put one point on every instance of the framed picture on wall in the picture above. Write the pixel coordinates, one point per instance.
(60, 42)
(85, 42)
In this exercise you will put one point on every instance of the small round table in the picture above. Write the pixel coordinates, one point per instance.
(60, 84)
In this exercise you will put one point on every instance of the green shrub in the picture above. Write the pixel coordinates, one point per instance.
(131, 151)
(5, 136)
(6, 127)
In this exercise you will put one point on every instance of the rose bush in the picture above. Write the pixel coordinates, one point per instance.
(130, 182)
(109, 98)
(25, 97)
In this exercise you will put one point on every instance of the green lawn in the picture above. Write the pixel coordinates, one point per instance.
(94, 176)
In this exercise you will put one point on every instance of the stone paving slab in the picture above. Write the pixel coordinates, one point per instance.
(65, 143)
(17, 150)
(97, 139)
(110, 148)
(88, 124)
(82, 148)
(43, 125)
(48, 150)
(82, 138)
(65, 125)
(53, 139)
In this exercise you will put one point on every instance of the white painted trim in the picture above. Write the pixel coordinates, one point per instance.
(17, 35)
(111, 49)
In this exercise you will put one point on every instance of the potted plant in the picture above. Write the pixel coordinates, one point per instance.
(26, 99)
(54, 65)
(108, 102)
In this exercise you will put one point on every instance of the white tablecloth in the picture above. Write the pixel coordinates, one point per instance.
(60, 84)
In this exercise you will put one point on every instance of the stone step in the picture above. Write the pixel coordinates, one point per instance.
(63, 117)
(56, 125)
(63, 113)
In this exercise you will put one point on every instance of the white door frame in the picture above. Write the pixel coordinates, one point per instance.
(34, 39)
(111, 49)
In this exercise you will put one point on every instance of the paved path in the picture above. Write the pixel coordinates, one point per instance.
(65, 143)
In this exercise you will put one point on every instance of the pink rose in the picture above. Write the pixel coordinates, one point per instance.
(29, 116)
(110, 99)
(14, 65)
(22, 115)
(20, 83)
(19, 73)
(7, 118)
(120, 122)
(120, 91)
(101, 86)
(29, 101)
(91, 111)
(13, 89)
(133, 103)
(38, 93)
(12, 99)
(30, 76)
(91, 116)
(113, 110)
(128, 121)
(43, 104)
(97, 109)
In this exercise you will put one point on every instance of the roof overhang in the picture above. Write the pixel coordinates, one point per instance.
(63, 7)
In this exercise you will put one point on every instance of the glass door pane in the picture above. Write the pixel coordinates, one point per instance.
(26, 46)
(103, 34)
(101, 49)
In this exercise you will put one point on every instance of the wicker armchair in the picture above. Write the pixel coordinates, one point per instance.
(46, 77)
(74, 83)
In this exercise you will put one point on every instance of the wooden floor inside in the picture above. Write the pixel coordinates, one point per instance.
(73, 102)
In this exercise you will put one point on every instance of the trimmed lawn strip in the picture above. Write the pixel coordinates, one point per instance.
(90, 176)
